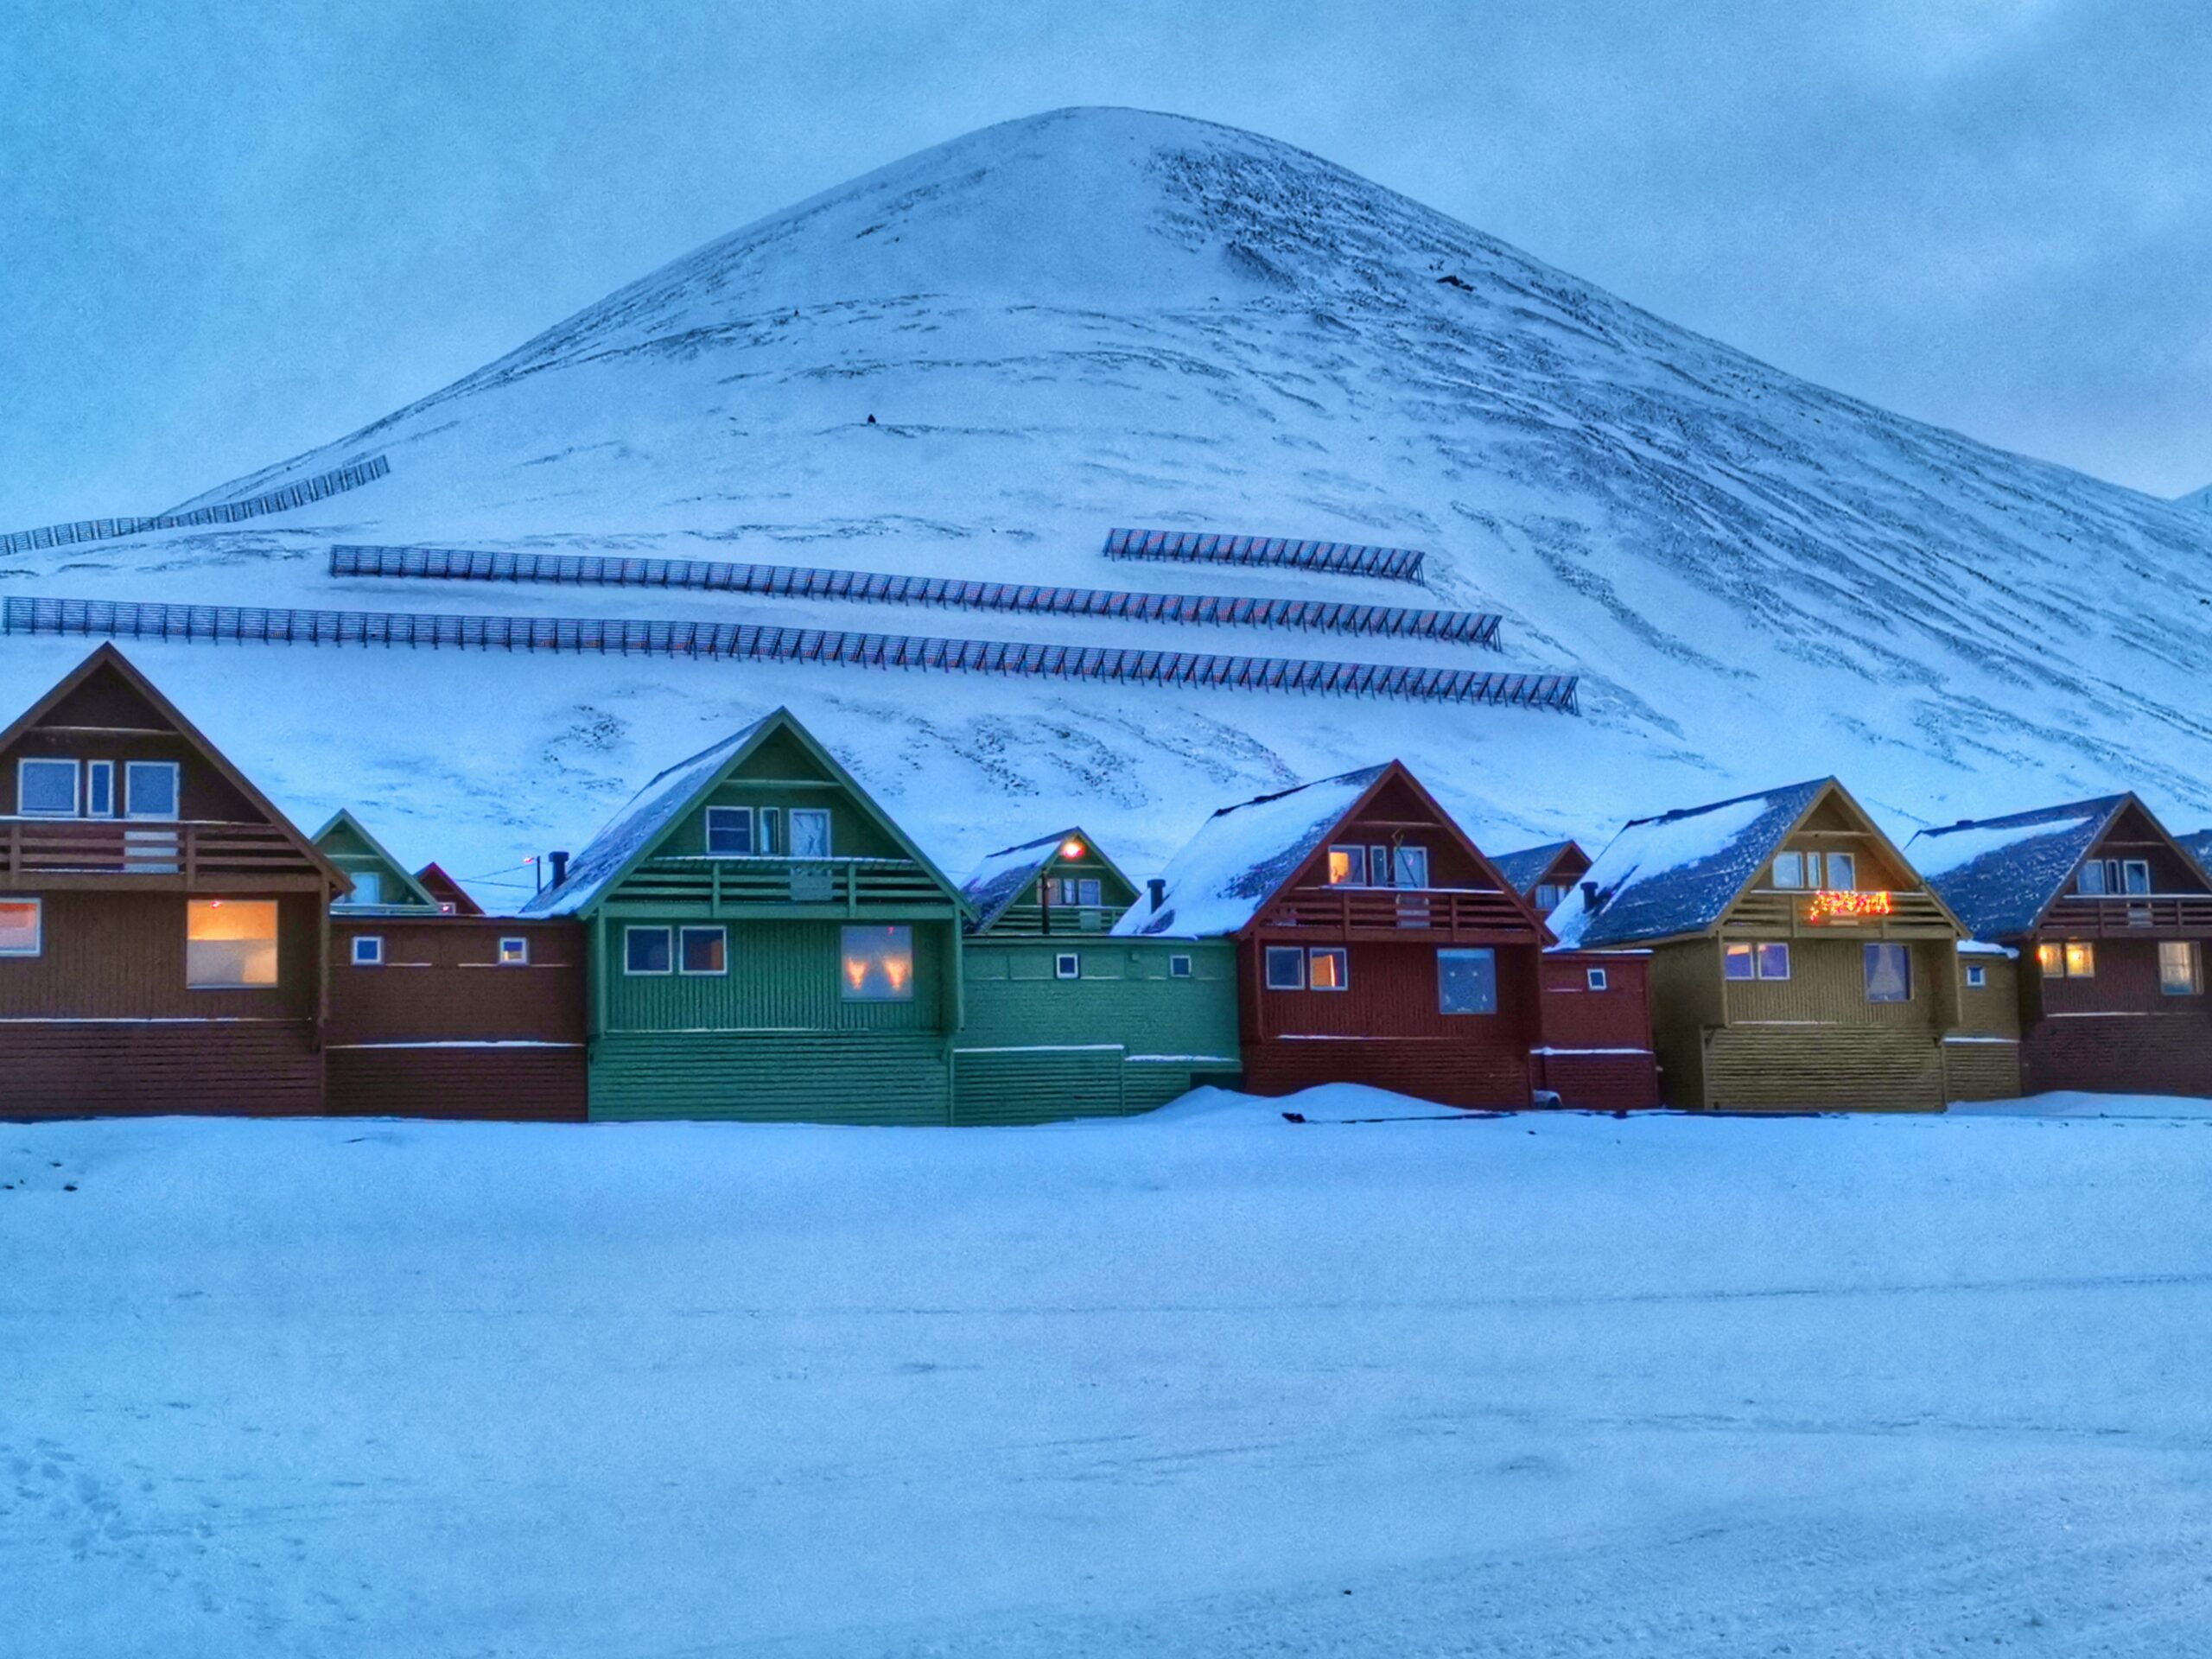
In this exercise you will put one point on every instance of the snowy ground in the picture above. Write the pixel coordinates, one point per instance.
(1202, 1383)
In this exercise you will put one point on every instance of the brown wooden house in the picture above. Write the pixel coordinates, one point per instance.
(1544, 876)
(1375, 943)
(2106, 917)
(1796, 960)
(162, 926)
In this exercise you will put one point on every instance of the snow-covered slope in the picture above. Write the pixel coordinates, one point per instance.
(1095, 318)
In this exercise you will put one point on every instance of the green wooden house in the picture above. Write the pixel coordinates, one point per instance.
(382, 884)
(765, 944)
(1064, 1020)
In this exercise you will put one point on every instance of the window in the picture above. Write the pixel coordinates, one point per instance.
(47, 789)
(1286, 968)
(149, 789)
(368, 889)
(2092, 878)
(1789, 870)
(230, 943)
(1888, 973)
(1466, 982)
(1380, 872)
(1347, 866)
(729, 832)
(1596, 978)
(770, 842)
(1328, 969)
(1843, 871)
(1067, 965)
(19, 927)
(2177, 972)
(810, 832)
(879, 964)
(1090, 891)
(514, 952)
(2101, 877)
(1077, 890)
(1769, 959)
(2081, 959)
(100, 789)
(645, 950)
(1178, 967)
(2135, 876)
(703, 951)
(2052, 960)
(368, 950)
(1549, 895)
(1735, 962)
(1413, 866)
(1977, 976)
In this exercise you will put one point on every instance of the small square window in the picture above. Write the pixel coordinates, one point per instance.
(1178, 967)
(149, 789)
(1347, 866)
(1735, 962)
(1773, 960)
(1597, 979)
(647, 950)
(46, 789)
(729, 832)
(1067, 965)
(514, 953)
(1977, 976)
(1286, 968)
(20, 927)
(1790, 869)
(1328, 969)
(704, 950)
(368, 950)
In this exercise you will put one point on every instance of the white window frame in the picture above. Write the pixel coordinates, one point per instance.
(1066, 965)
(792, 818)
(2195, 956)
(1354, 855)
(1343, 978)
(520, 941)
(2128, 867)
(2066, 957)
(1595, 979)
(738, 814)
(278, 940)
(682, 933)
(1091, 892)
(97, 770)
(1977, 975)
(1448, 952)
(131, 791)
(913, 963)
(1759, 948)
(1178, 967)
(374, 955)
(1382, 868)
(1403, 860)
(1288, 956)
(1847, 880)
(76, 785)
(1550, 895)
(14, 953)
(630, 970)
(1797, 883)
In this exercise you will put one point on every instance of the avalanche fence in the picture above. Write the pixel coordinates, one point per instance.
(223, 512)
(1204, 547)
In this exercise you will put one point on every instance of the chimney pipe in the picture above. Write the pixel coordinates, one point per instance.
(560, 863)
(1590, 897)
(1158, 887)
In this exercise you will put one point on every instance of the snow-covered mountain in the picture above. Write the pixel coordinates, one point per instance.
(1102, 317)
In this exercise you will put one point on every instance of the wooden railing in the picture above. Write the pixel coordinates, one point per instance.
(199, 853)
(1771, 913)
(851, 884)
(1442, 910)
(2110, 914)
(1042, 921)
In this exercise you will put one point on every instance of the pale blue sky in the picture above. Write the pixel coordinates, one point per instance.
(230, 232)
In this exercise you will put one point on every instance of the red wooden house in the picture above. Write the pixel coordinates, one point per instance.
(1597, 1047)
(1375, 943)
(162, 926)
(1544, 876)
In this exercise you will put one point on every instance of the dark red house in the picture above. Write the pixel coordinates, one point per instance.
(1596, 1049)
(1544, 876)
(1375, 943)
(162, 926)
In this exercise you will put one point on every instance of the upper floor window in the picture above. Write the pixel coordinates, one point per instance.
(368, 889)
(2101, 876)
(20, 932)
(1084, 890)
(100, 789)
(46, 789)
(729, 832)
(149, 789)
(1549, 895)
(1347, 866)
(230, 943)
(1411, 869)
(810, 832)
(1836, 873)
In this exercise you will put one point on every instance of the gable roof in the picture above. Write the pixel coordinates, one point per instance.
(1525, 868)
(1003, 876)
(446, 891)
(106, 655)
(2001, 875)
(1677, 873)
(2198, 845)
(653, 812)
(418, 895)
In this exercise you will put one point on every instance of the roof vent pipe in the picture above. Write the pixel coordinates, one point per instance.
(560, 863)
(1158, 887)
(1591, 897)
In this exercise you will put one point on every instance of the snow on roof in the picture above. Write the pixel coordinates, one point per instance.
(2198, 845)
(1677, 872)
(998, 880)
(650, 810)
(1242, 854)
(1523, 869)
(1998, 874)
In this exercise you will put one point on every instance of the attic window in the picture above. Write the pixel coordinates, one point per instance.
(2101, 877)
(810, 832)
(1347, 866)
(149, 789)
(46, 789)
(1085, 891)
(1549, 895)
(368, 889)
(729, 832)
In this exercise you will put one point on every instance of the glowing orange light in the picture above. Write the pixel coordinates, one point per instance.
(1830, 906)
(1071, 849)
(855, 971)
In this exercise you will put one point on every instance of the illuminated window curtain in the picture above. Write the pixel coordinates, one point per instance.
(879, 964)
(230, 942)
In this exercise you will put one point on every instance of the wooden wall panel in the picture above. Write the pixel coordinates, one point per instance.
(440, 982)
(110, 954)
(772, 1077)
(2119, 1053)
(2126, 979)
(1574, 1016)
(1749, 1068)
(1981, 1068)
(514, 1084)
(783, 975)
(244, 1068)
(1828, 984)
(1598, 1082)
(1451, 1074)
(1995, 1010)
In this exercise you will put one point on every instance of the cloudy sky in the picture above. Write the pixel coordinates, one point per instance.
(232, 231)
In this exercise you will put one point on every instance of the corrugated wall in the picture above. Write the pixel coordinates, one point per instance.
(1809, 1068)
(511, 1083)
(763, 1077)
(782, 976)
(76, 1069)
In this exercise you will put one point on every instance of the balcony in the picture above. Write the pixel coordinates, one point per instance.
(2140, 915)
(118, 853)
(712, 885)
(1056, 921)
(1459, 913)
(1772, 914)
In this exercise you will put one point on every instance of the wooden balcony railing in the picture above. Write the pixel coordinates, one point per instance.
(1053, 921)
(1455, 910)
(1770, 913)
(720, 884)
(195, 854)
(2080, 915)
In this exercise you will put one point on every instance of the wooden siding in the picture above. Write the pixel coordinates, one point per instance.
(772, 1076)
(1686, 1002)
(782, 977)
(127, 1067)
(510, 1082)
(1995, 1010)
(106, 719)
(1451, 1074)
(1597, 1049)
(1867, 1068)
(1597, 1082)
(109, 955)
(1981, 1068)
(2119, 1053)
(1827, 986)
(440, 980)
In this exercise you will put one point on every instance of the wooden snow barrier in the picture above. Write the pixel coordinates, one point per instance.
(223, 512)
(806, 581)
(1202, 547)
(747, 642)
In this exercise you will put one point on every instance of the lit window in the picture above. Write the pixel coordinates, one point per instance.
(100, 789)
(1790, 869)
(149, 789)
(1067, 965)
(2135, 876)
(645, 950)
(2081, 959)
(230, 943)
(1736, 960)
(368, 950)
(1843, 871)
(1977, 976)
(1888, 973)
(1413, 866)
(2177, 973)
(1773, 959)
(704, 950)
(1178, 967)
(1347, 866)
(514, 953)
(1286, 968)
(879, 964)
(1330, 968)
(1597, 979)
(1549, 895)
(2052, 960)
(47, 789)
(19, 927)
(729, 832)
(810, 832)
(368, 889)
(1466, 982)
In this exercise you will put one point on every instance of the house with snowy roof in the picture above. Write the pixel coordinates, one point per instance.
(764, 941)
(1796, 960)
(2107, 915)
(1374, 943)
(1065, 1018)
(1544, 876)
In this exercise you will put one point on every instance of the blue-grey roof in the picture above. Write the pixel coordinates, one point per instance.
(1997, 875)
(1677, 873)
(2198, 845)
(1523, 869)
(999, 879)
